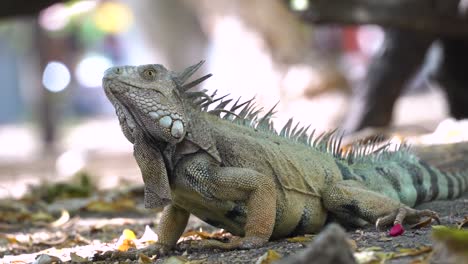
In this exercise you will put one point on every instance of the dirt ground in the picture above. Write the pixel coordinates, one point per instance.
(92, 232)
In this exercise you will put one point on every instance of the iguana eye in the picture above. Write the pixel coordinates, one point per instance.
(149, 74)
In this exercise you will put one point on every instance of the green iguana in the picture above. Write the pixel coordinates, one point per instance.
(230, 168)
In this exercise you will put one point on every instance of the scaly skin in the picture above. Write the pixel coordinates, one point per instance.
(248, 179)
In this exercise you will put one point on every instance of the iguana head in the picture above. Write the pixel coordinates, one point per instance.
(147, 97)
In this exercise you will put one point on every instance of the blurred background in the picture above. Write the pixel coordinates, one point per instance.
(55, 119)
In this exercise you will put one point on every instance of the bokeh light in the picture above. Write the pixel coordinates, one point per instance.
(299, 5)
(56, 76)
(90, 70)
(80, 7)
(57, 16)
(70, 162)
(113, 17)
(54, 17)
(370, 39)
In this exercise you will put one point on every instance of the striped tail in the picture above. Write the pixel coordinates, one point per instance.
(447, 166)
(446, 184)
(425, 174)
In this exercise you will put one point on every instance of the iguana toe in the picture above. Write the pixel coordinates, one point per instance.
(404, 214)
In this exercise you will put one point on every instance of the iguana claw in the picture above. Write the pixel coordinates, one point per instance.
(404, 214)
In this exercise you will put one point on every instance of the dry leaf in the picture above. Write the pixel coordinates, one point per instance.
(366, 257)
(10, 238)
(77, 258)
(65, 216)
(148, 237)
(126, 240)
(371, 249)
(41, 217)
(300, 239)
(421, 224)
(113, 206)
(80, 239)
(175, 260)
(220, 235)
(463, 223)
(405, 252)
(53, 241)
(46, 259)
(385, 239)
(352, 244)
(269, 257)
(201, 234)
(372, 256)
(143, 259)
(455, 240)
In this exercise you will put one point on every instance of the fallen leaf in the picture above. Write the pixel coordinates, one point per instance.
(220, 235)
(175, 260)
(375, 248)
(64, 217)
(53, 241)
(149, 236)
(197, 261)
(463, 223)
(396, 230)
(46, 259)
(373, 256)
(421, 224)
(269, 257)
(125, 245)
(406, 252)
(455, 240)
(111, 206)
(300, 239)
(77, 258)
(80, 239)
(385, 239)
(365, 257)
(10, 238)
(352, 243)
(126, 240)
(143, 259)
(41, 217)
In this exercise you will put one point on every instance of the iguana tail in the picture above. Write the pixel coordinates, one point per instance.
(445, 184)
(433, 173)
(450, 163)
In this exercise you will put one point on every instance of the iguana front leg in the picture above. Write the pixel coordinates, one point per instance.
(352, 201)
(257, 190)
(170, 228)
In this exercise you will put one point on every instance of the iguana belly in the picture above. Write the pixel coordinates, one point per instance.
(296, 214)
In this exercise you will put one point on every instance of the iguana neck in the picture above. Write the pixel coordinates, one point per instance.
(199, 131)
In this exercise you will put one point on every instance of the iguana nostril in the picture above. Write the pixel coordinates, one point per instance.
(117, 70)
